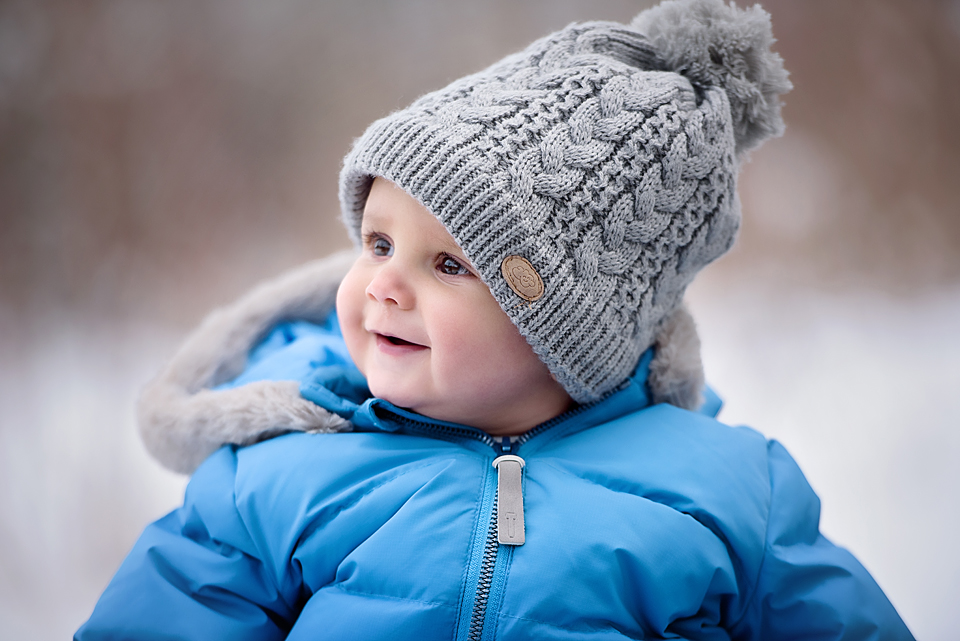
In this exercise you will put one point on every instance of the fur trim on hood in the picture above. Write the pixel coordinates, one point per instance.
(182, 421)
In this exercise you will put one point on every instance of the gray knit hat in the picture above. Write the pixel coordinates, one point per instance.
(589, 177)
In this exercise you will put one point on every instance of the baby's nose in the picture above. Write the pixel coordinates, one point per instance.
(390, 286)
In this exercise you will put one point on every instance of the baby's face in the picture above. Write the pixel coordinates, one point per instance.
(426, 331)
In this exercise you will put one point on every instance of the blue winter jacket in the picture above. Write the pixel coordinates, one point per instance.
(642, 522)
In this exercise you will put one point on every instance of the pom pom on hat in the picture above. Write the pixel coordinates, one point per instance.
(719, 45)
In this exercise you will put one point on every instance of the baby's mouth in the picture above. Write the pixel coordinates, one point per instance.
(398, 343)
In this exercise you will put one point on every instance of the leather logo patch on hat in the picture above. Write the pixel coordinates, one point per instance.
(522, 277)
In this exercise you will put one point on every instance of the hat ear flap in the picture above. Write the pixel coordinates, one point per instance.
(676, 371)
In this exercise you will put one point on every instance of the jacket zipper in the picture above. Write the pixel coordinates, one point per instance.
(491, 545)
(487, 566)
(505, 449)
(496, 536)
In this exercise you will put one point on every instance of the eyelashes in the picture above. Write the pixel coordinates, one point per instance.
(378, 244)
(452, 267)
(382, 247)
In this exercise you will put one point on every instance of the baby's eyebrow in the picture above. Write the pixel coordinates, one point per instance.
(449, 246)
(368, 214)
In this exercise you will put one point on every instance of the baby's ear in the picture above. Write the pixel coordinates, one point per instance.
(676, 371)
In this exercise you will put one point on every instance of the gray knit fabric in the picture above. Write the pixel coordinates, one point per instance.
(605, 158)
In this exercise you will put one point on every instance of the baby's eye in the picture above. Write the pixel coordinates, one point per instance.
(452, 267)
(380, 246)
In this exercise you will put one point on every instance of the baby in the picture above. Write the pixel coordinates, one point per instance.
(501, 431)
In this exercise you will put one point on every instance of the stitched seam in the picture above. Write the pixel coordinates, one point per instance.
(408, 469)
(391, 597)
(567, 629)
(748, 600)
(726, 544)
(639, 496)
(606, 487)
(314, 525)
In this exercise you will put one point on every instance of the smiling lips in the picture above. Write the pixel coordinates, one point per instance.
(396, 346)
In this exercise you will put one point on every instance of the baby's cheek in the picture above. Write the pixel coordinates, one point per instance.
(350, 316)
(495, 350)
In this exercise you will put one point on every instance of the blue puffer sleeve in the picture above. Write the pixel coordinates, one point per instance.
(195, 574)
(808, 588)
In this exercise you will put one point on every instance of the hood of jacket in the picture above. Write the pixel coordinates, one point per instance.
(191, 408)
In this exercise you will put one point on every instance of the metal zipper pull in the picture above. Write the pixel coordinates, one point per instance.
(509, 499)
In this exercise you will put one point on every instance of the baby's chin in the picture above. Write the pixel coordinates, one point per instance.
(448, 412)
(399, 397)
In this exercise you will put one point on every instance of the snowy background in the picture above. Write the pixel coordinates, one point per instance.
(157, 159)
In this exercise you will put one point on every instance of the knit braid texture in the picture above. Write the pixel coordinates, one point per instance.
(613, 176)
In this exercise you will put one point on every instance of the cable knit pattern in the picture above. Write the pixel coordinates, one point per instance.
(614, 176)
